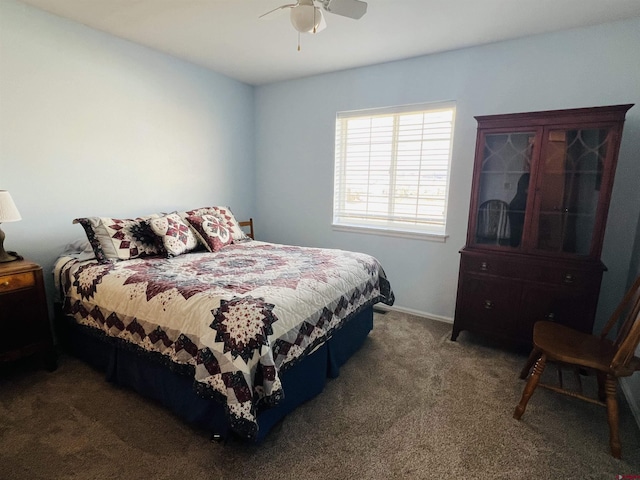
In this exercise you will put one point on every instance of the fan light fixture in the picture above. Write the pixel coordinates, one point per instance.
(306, 18)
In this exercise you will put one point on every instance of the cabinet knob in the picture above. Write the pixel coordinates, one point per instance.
(5, 283)
(488, 304)
(484, 266)
(569, 278)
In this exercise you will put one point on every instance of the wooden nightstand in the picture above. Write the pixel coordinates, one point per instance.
(24, 317)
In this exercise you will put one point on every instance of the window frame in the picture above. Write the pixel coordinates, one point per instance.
(388, 226)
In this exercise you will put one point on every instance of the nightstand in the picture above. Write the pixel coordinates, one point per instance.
(25, 329)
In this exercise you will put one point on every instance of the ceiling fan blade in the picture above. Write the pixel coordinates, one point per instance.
(279, 8)
(346, 8)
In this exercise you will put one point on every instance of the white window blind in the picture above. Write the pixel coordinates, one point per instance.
(392, 168)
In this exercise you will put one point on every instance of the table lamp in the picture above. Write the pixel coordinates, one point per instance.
(8, 213)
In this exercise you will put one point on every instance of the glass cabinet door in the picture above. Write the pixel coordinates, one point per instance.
(503, 185)
(568, 189)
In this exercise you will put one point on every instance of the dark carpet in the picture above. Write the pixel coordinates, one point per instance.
(410, 404)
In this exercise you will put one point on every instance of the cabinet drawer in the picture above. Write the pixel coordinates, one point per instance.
(487, 305)
(568, 306)
(518, 269)
(16, 281)
(485, 265)
(566, 277)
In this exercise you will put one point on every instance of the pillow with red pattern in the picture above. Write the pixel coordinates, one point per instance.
(114, 239)
(228, 220)
(210, 230)
(176, 236)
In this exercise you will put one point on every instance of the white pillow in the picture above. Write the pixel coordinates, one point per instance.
(177, 238)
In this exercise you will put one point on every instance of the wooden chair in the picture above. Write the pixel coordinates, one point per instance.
(249, 224)
(609, 359)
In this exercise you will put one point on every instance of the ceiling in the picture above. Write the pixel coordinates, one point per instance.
(227, 36)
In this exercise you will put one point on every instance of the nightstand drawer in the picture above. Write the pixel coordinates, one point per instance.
(24, 315)
(9, 283)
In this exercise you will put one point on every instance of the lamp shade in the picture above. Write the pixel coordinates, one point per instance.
(8, 210)
(306, 18)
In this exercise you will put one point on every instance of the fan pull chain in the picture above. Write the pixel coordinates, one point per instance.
(298, 41)
(315, 23)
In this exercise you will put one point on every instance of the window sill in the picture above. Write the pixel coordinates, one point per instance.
(431, 237)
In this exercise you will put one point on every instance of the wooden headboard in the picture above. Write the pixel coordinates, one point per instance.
(249, 224)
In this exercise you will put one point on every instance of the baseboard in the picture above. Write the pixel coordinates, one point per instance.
(627, 389)
(417, 313)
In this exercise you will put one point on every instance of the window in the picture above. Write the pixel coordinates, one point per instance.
(392, 168)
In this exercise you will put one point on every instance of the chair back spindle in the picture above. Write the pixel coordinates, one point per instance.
(628, 337)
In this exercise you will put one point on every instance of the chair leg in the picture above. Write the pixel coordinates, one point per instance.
(531, 385)
(560, 377)
(533, 356)
(602, 377)
(612, 415)
(576, 372)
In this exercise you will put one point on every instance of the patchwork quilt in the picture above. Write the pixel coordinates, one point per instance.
(235, 318)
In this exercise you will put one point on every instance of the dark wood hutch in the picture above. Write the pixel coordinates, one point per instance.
(541, 188)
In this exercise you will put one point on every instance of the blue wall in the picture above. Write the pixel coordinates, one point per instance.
(94, 125)
(91, 125)
(295, 133)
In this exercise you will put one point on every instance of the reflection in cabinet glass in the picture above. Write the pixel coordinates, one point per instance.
(540, 196)
(505, 164)
(569, 188)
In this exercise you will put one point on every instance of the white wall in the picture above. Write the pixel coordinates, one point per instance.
(295, 133)
(94, 125)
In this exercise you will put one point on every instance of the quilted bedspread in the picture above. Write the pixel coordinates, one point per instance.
(235, 318)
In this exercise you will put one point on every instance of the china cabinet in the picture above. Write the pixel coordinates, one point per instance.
(541, 187)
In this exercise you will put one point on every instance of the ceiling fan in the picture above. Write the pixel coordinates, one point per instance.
(306, 17)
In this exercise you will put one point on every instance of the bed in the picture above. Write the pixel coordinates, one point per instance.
(228, 332)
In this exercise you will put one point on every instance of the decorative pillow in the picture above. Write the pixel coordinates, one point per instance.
(225, 214)
(177, 238)
(210, 231)
(114, 239)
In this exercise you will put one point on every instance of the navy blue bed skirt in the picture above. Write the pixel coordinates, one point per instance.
(152, 379)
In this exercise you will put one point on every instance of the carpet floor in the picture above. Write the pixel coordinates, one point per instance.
(410, 404)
